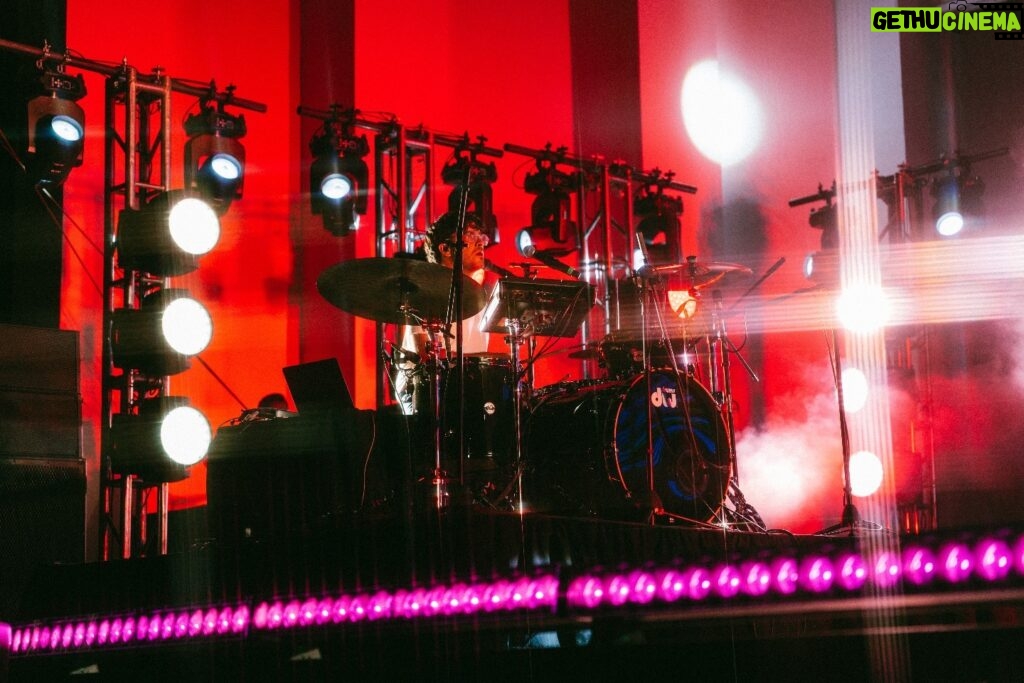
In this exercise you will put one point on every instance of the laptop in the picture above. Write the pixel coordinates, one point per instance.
(319, 387)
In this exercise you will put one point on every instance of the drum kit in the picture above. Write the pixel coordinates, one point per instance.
(644, 441)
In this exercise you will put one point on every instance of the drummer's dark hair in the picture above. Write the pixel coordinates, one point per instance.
(444, 228)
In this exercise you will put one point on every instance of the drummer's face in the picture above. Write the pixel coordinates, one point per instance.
(472, 255)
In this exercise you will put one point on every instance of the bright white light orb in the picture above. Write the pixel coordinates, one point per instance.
(865, 473)
(187, 326)
(185, 435)
(66, 128)
(949, 224)
(226, 166)
(194, 226)
(523, 240)
(863, 308)
(855, 389)
(335, 186)
(722, 115)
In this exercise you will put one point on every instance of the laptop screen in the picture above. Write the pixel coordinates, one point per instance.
(319, 387)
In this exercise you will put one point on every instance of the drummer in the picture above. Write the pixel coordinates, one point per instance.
(439, 247)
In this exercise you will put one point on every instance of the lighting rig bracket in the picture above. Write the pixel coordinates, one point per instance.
(659, 214)
(466, 173)
(338, 176)
(214, 157)
(143, 250)
(553, 188)
(56, 123)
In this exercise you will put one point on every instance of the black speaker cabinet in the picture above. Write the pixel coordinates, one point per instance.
(42, 474)
(40, 407)
(42, 521)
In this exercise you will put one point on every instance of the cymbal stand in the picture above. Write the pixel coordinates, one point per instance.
(645, 286)
(721, 390)
(439, 479)
(515, 337)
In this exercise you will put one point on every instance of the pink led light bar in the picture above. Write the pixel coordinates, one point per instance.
(128, 630)
(988, 560)
(960, 562)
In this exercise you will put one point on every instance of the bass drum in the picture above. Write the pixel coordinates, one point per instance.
(586, 449)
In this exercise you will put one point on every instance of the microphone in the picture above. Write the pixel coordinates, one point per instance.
(550, 261)
(495, 268)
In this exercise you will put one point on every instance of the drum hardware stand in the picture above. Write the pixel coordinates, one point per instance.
(721, 389)
(850, 521)
(524, 309)
(515, 337)
(645, 285)
(744, 513)
(439, 479)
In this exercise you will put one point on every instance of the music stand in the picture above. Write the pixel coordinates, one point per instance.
(522, 308)
(544, 308)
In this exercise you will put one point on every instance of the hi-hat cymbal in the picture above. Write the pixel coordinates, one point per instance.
(396, 290)
(699, 275)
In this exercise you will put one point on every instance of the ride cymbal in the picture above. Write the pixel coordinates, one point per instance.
(396, 290)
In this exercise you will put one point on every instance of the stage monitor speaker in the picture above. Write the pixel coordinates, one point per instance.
(40, 406)
(42, 473)
(42, 520)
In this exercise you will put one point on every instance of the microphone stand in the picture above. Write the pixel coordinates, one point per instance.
(722, 391)
(455, 315)
(644, 279)
(850, 521)
(656, 508)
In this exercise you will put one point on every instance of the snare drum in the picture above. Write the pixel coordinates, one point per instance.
(587, 448)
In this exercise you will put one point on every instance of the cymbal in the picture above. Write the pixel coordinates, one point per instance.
(700, 275)
(396, 290)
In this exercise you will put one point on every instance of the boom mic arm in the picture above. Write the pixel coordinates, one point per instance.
(550, 261)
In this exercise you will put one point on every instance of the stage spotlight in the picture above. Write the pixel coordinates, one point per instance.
(56, 128)
(863, 308)
(161, 335)
(524, 239)
(659, 224)
(824, 218)
(822, 268)
(855, 390)
(551, 210)
(214, 158)
(465, 168)
(957, 201)
(167, 236)
(157, 444)
(866, 473)
(338, 177)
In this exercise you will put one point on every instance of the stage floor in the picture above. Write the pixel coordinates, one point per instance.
(722, 604)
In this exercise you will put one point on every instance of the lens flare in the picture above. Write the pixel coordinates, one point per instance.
(722, 115)
(865, 473)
